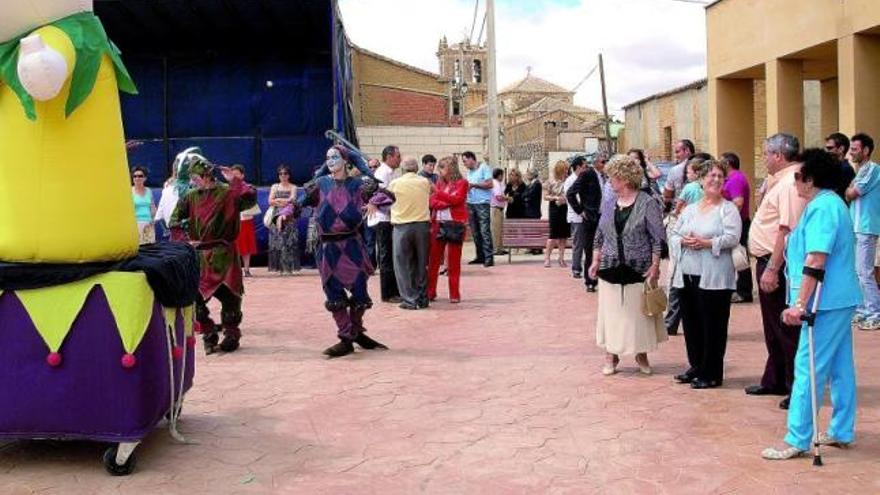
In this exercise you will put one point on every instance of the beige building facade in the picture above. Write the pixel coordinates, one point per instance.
(782, 44)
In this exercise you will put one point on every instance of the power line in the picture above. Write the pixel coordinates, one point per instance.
(574, 90)
(474, 23)
(482, 28)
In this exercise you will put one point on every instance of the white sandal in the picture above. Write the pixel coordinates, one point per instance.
(825, 439)
(781, 454)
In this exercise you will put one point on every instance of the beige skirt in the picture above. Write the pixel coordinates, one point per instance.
(621, 328)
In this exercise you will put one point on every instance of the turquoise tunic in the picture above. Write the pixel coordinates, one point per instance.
(825, 227)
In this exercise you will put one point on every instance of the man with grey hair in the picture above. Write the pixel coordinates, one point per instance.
(777, 215)
(411, 237)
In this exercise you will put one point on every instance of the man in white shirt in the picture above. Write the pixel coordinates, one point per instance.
(575, 220)
(676, 178)
(498, 202)
(380, 222)
(675, 182)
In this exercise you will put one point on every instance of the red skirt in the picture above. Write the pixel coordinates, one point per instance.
(247, 240)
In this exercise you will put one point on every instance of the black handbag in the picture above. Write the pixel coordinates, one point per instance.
(452, 232)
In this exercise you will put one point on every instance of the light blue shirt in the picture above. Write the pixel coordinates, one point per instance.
(478, 175)
(691, 193)
(865, 210)
(825, 228)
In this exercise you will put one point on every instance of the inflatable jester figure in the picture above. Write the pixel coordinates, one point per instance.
(88, 322)
(64, 187)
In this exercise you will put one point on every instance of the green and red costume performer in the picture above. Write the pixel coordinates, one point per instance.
(212, 215)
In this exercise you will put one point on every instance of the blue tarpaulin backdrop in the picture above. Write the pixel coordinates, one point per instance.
(255, 82)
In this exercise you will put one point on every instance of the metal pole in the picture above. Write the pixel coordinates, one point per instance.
(491, 83)
(605, 106)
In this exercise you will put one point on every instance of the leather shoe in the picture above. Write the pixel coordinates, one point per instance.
(684, 378)
(488, 264)
(368, 343)
(761, 390)
(699, 383)
(341, 348)
(476, 262)
(406, 305)
(783, 404)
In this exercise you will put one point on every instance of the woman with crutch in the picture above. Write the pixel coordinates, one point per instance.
(822, 281)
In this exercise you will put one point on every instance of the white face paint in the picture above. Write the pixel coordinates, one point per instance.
(334, 160)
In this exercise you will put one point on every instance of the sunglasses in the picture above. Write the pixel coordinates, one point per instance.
(283, 173)
(830, 148)
(139, 176)
(799, 177)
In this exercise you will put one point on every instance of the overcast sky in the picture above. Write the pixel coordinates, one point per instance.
(649, 45)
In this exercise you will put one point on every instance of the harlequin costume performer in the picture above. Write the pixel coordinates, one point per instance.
(213, 211)
(340, 202)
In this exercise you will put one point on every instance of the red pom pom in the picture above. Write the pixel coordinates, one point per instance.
(177, 352)
(54, 359)
(197, 327)
(128, 361)
(191, 341)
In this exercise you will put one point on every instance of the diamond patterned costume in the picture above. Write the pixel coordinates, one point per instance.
(341, 255)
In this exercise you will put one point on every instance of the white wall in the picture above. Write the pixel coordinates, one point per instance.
(419, 141)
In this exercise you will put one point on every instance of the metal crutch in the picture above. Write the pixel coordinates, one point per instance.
(809, 320)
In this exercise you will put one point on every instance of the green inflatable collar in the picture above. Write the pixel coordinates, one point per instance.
(90, 42)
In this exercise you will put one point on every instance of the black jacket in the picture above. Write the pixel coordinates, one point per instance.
(533, 197)
(585, 195)
(516, 207)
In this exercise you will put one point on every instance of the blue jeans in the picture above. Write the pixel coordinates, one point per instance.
(481, 230)
(866, 248)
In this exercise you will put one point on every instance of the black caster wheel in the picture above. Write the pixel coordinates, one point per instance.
(116, 469)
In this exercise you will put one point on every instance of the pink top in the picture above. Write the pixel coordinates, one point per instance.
(737, 186)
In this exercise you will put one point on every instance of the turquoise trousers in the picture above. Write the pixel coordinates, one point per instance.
(832, 337)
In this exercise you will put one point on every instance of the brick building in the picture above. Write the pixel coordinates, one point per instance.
(396, 103)
(540, 119)
(656, 122)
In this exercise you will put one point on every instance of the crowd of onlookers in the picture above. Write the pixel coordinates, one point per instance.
(816, 220)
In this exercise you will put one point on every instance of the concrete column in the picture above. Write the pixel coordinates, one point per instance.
(830, 120)
(785, 97)
(858, 74)
(732, 120)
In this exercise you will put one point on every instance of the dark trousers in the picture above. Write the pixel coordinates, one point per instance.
(385, 257)
(230, 315)
(411, 242)
(578, 242)
(781, 339)
(370, 242)
(744, 283)
(705, 316)
(481, 230)
(673, 310)
(589, 236)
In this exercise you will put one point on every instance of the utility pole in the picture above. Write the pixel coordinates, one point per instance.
(491, 83)
(605, 106)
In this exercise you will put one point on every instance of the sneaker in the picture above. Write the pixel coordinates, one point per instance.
(869, 324)
(476, 261)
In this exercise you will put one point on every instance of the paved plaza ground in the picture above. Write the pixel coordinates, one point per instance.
(500, 394)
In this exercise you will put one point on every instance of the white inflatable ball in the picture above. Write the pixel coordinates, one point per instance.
(41, 70)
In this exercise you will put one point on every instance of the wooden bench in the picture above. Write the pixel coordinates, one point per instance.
(528, 233)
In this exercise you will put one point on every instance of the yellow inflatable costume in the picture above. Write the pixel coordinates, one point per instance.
(64, 195)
